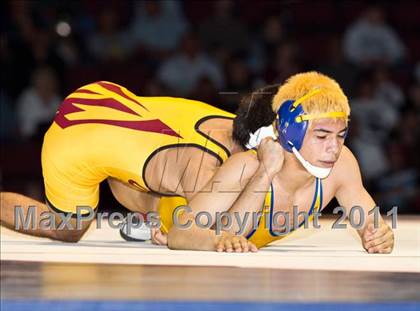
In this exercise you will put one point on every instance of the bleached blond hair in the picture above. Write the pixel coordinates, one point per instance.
(331, 97)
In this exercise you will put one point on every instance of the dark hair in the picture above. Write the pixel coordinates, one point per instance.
(254, 111)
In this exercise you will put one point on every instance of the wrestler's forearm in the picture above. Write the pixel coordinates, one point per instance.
(28, 216)
(354, 196)
(250, 201)
(192, 239)
(10, 201)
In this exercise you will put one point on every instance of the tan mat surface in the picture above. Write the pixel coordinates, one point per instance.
(325, 249)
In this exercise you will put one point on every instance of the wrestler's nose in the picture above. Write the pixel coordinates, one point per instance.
(333, 146)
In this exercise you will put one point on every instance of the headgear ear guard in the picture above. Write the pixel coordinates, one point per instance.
(291, 133)
(292, 121)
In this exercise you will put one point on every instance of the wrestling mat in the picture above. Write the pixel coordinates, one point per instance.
(312, 249)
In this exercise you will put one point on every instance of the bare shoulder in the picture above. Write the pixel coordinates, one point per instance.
(245, 158)
(346, 157)
(241, 165)
(248, 156)
(347, 167)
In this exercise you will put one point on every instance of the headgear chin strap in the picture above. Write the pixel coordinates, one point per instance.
(319, 172)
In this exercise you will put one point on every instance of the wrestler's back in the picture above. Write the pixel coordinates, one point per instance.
(185, 170)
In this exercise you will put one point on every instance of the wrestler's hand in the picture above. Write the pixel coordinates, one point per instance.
(379, 240)
(158, 237)
(229, 243)
(271, 155)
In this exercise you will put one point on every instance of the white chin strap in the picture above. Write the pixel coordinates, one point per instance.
(268, 131)
(319, 172)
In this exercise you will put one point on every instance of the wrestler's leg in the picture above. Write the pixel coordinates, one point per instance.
(137, 201)
(166, 210)
(9, 201)
(133, 199)
(143, 202)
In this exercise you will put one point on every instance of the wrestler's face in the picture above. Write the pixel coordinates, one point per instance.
(323, 141)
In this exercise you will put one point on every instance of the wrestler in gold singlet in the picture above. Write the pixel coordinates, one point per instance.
(103, 130)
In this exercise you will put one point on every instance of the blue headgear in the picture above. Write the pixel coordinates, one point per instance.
(292, 121)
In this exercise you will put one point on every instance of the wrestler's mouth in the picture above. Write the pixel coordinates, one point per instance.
(327, 163)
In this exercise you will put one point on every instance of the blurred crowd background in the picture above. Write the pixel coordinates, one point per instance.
(216, 51)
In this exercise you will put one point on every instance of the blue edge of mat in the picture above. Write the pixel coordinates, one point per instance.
(63, 305)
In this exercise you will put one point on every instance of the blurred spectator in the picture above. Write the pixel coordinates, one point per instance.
(205, 91)
(409, 130)
(158, 25)
(407, 134)
(373, 120)
(44, 51)
(337, 67)
(411, 137)
(377, 116)
(181, 72)
(370, 40)
(273, 34)
(68, 51)
(417, 72)
(38, 103)
(387, 90)
(398, 186)
(238, 75)
(369, 153)
(223, 30)
(284, 63)
(28, 43)
(153, 88)
(8, 128)
(108, 43)
(414, 97)
(263, 47)
(239, 81)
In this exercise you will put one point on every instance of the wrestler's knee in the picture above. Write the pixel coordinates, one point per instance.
(71, 236)
(69, 229)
